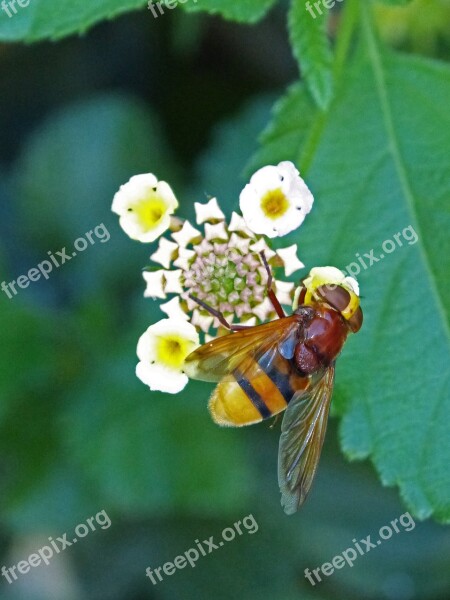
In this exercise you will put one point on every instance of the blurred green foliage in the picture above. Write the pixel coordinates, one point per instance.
(187, 97)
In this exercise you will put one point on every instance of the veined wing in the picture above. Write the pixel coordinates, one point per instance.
(303, 431)
(216, 359)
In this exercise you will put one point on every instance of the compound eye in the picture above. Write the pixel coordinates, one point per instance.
(355, 322)
(336, 296)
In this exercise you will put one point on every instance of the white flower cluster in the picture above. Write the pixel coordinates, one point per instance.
(220, 264)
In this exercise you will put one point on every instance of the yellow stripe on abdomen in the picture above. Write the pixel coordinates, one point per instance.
(243, 399)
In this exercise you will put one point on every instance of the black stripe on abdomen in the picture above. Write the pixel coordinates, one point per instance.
(280, 379)
(252, 394)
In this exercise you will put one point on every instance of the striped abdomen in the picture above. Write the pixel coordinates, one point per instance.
(260, 388)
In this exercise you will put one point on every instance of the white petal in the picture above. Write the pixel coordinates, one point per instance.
(180, 327)
(165, 252)
(208, 212)
(237, 224)
(291, 261)
(134, 229)
(129, 190)
(216, 232)
(261, 245)
(191, 304)
(283, 291)
(146, 347)
(161, 379)
(295, 185)
(263, 310)
(240, 243)
(187, 235)
(155, 284)
(173, 309)
(184, 259)
(173, 282)
(204, 323)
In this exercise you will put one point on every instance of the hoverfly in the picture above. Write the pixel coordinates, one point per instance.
(286, 364)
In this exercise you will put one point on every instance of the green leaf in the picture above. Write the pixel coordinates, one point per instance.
(244, 11)
(293, 117)
(45, 19)
(376, 168)
(311, 47)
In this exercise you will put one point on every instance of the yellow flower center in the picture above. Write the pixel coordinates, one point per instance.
(172, 350)
(150, 211)
(274, 204)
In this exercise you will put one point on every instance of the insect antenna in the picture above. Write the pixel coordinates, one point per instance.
(271, 294)
(217, 314)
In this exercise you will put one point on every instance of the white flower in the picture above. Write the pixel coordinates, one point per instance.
(144, 206)
(210, 211)
(162, 350)
(290, 259)
(276, 201)
(165, 253)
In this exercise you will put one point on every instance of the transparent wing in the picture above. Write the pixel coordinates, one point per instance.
(222, 356)
(303, 431)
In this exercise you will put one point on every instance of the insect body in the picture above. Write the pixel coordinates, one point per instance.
(286, 364)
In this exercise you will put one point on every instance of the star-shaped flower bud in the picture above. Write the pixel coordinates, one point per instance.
(209, 212)
(165, 253)
(290, 259)
(187, 235)
(155, 284)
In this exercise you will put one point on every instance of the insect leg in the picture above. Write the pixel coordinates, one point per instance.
(217, 314)
(271, 294)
